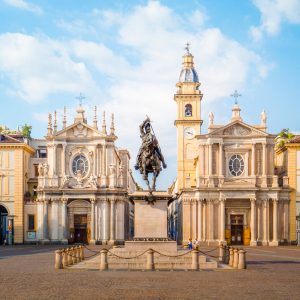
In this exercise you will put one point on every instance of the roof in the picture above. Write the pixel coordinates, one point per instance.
(295, 140)
(12, 138)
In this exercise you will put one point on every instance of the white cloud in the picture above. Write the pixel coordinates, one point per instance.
(273, 14)
(39, 67)
(21, 4)
(139, 77)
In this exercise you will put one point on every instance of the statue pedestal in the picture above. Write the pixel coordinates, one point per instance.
(150, 222)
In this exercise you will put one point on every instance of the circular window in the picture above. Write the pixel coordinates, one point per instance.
(236, 165)
(80, 165)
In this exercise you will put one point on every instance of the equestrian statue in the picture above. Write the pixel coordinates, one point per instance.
(149, 158)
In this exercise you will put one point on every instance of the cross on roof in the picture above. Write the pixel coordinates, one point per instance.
(80, 98)
(187, 47)
(235, 95)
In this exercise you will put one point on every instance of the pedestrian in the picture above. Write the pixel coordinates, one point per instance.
(190, 244)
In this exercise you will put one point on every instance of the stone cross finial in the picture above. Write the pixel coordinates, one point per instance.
(65, 118)
(104, 124)
(235, 95)
(95, 125)
(187, 48)
(80, 98)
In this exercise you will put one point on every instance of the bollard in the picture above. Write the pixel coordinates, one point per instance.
(150, 260)
(73, 253)
(230, 256)
(195, 261)
(82, 252)
(242, 260)
(78, 254)
(65, 258)
(235, 258)
(227, 255)
(58, 259)
(103, 260)
(221, 253)
(69, 253)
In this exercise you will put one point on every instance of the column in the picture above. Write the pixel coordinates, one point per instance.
(92, 221)
(286, 219)
(64, 219)
(253, 160)
(186, 219)
(222, 220)
(221, 159)
(265, 222)
(94, 161)
(105, 213)
(54, 220)
(54, 160)
(259, 216)
(264, 159)
(209, 159)
(40, 220)
(103, 169)
(194, 219)
(45, 220)
(253, 241)
(204, 214)
(275, 223)
(112, 221)
(63, 160)
(211, 220)
(120, 234)
(200, 220)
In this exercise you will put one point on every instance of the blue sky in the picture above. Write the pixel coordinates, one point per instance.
(125, 57)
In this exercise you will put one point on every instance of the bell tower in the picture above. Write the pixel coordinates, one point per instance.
(188, 123)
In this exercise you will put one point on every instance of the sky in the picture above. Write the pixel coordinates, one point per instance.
(125, 58)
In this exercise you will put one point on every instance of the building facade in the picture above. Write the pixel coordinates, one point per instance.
(226, 190)
(82, 185)
(15, 153)
(288, 170)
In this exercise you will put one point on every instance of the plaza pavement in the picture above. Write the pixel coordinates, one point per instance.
(27, 272)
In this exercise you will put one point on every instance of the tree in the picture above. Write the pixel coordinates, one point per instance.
(284, 136)
(26, 130)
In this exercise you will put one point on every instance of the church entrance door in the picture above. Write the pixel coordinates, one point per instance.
(80, 228)
(237, 229)
(3, 224)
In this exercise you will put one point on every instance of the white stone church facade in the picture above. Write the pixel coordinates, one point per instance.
(83, 184)
(226, 190)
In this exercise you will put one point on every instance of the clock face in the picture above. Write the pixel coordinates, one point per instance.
(189, 132)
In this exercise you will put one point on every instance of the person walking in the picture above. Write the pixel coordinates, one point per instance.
(196, 244)
(190, 244)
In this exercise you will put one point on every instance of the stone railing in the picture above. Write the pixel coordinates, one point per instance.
(234, 257)
(68, 256)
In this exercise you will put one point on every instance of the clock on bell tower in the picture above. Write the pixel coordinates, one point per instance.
(188, 123)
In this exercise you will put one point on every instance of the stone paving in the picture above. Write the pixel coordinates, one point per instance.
(27, 272)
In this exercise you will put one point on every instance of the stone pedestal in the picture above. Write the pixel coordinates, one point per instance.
(150, 222)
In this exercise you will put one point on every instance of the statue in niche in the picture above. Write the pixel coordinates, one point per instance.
(40, 170)
(46, 169)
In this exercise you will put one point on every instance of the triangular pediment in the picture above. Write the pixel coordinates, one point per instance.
(78, 130)
(237, 128)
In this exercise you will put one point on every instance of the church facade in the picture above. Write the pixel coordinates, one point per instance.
(226, 189)
(80, 181)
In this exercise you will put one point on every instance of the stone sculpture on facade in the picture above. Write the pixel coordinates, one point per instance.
(149, 158)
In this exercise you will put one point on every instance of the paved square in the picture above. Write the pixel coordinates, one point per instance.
(27, 272)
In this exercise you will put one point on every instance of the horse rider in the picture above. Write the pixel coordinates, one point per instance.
(148, 139)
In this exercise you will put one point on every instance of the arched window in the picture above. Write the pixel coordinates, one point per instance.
(188, 110)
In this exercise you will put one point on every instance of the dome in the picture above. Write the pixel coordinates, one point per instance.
(188, 75)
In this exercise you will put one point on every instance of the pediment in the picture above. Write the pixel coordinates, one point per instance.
(78, 130)
(236, 129)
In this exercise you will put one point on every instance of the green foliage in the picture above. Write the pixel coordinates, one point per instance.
(284, 136)
(26, 130)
